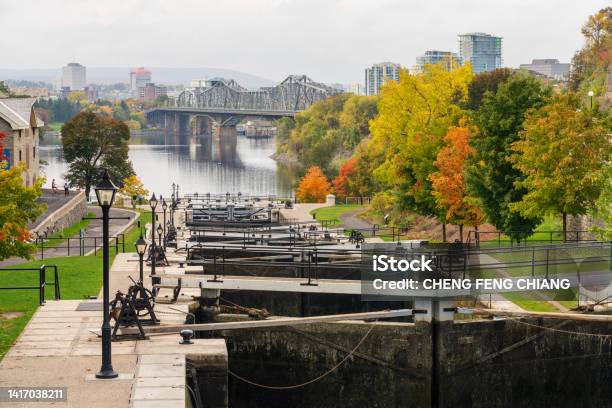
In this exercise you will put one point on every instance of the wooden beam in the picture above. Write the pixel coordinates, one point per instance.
(272, 322)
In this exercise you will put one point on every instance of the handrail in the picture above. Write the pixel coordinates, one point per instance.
(42, 281)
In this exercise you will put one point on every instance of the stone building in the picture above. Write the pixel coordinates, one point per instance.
(21, 127)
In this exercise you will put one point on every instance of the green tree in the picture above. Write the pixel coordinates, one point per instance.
(484, 82)
(561, 152)
(18, 205)
(491, 176)
(91, 143)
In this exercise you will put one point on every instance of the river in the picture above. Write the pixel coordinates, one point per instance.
(196, 163)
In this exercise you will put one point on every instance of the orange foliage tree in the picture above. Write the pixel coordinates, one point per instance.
(341, 181)
(449, 184)
(314, 186)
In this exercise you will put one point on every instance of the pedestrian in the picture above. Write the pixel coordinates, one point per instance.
(54, 186)
(66, 189)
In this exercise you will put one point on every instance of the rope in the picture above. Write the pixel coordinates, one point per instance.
(313, 380)
(559, 330)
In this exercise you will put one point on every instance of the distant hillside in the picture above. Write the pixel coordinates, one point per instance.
(168, 76)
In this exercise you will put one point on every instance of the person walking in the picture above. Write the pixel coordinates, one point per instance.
(54, 186)
(66, 192)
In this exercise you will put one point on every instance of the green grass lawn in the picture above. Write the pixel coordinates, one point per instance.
(332, 214)
(67, 232)
(56, 126)
(80, 277)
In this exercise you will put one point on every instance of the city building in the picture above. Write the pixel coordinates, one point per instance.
(74, 76)
(139, 77)
(378, 74)
(356, 89)
(151, 91)
(432, 57)
(483, 51)
(21, 127)
(91, 93)
(551, 68)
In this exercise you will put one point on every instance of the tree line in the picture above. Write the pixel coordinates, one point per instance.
(502, 147)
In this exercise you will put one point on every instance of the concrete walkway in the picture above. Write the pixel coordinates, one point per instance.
(301, 212)
(94, 229)
(58, 348)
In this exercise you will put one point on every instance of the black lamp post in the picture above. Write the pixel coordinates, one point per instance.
(141, 247)
(165, 207)
(160, 230)
(105, 193)
(153, 204)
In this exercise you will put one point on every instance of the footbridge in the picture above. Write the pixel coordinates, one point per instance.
(221, 104)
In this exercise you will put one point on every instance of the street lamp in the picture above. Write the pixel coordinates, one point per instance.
(105, 193)
(141, 247)
(591, 94)
(165, 207)
(153, 204)
(160, 230)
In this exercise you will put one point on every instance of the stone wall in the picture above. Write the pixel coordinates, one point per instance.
(67, 215)
(483, 363)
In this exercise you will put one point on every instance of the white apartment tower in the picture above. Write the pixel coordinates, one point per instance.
(74, 76)
(378, 74)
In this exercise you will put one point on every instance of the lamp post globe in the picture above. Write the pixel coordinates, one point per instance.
(141, 248)
(160, 230)
(105, 193)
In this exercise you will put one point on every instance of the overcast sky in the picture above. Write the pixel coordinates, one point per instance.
(329, 40)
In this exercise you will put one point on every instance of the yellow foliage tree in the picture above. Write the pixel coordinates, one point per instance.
(414, 115)
(133, 188)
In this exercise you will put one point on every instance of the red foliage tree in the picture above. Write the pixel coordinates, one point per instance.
(341, 181)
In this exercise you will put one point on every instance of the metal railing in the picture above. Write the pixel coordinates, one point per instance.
(452, 260)
(42, 281)
(499, 237)
(78, 245)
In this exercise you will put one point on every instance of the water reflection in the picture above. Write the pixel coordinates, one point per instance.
(197, 163)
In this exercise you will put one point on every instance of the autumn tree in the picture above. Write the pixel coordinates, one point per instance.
(590, 64)
(341, 181)
(92, 142)
(414, 115)
(314, 186)
(602, 210)
(18, 206)
(561, 152)
(449, 184)
(491, 176)
(133, 188)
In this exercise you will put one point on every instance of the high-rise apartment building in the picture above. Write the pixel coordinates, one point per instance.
(431, 57)
(74, 76)
(483, 51)
(551, 68)
(378, 74)
(139, 77)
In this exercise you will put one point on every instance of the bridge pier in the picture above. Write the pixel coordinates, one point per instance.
(225, 132)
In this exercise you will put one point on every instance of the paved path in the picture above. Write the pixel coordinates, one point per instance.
(94, 229)
(58, 349)
(54, 202)
(351, 220)
(300, 212)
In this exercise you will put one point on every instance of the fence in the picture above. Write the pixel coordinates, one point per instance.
(42, 281)
(499, 237)
(80, 244)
